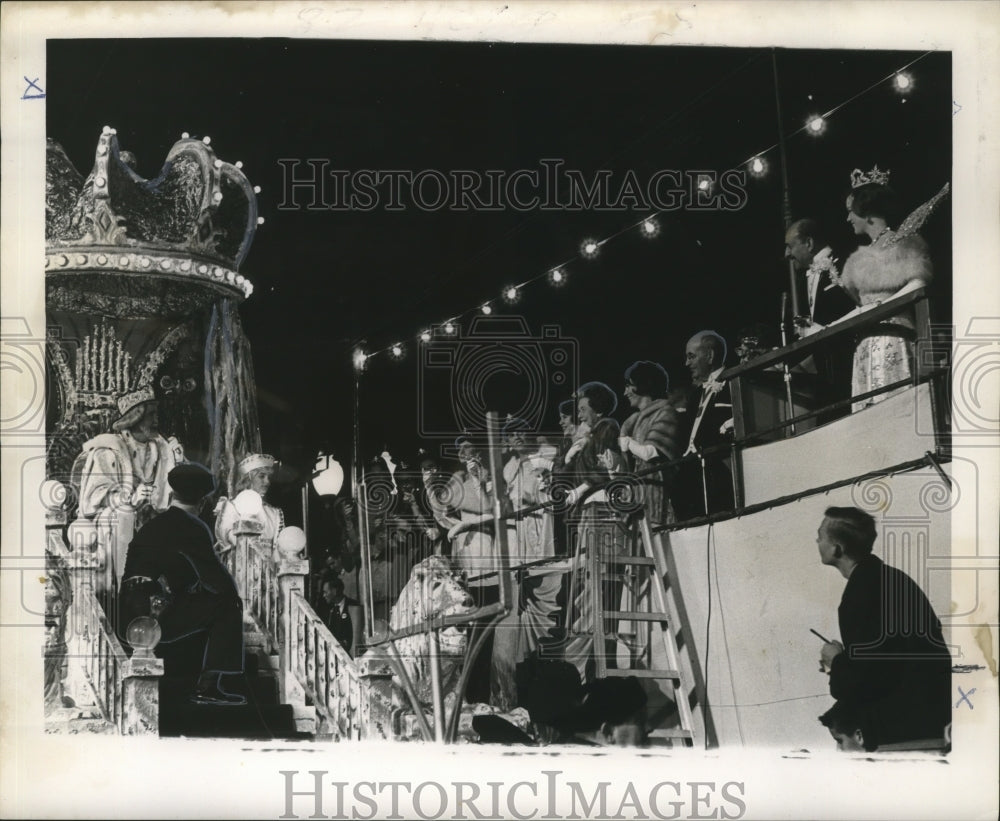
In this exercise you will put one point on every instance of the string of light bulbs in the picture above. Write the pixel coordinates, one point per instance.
(649, 227)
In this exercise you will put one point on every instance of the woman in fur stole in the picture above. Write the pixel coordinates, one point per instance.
(896, 261)
(651, 433)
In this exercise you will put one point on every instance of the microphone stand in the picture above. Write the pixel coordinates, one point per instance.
(784, 365)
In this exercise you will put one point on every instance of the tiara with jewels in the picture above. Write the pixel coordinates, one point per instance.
(859, 177)
(255, 461)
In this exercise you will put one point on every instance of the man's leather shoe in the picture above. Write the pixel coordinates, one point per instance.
(217, 697)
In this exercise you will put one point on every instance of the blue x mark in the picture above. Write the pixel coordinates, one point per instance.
(965, 698)
(33, 84)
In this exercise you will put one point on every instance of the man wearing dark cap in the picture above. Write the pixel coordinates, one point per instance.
(172, 572)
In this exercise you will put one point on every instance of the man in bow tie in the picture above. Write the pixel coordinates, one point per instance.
(806, 247)
(705, 428)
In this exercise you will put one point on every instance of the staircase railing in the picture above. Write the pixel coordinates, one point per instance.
(352, 698)
(252, 566)
(86, 663)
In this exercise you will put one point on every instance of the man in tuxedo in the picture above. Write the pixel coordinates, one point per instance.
(707, 424)
(173, 573)
(811, 256)
(341, 614)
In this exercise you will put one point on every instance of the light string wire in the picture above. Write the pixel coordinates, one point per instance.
(599, 243)
(677, 114)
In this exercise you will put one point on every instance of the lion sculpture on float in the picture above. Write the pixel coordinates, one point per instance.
(433, 590)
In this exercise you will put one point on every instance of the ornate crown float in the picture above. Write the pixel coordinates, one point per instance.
(142, 293)
(125, 246)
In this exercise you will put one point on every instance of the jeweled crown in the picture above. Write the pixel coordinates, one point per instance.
(859, 177)
(255, 461)
(135, 398)
(191, 225)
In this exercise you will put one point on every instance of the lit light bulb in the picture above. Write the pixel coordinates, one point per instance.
(449, 327)
(557, 276)
(816, 125)
(903, 81)
(396, 350)
(360, 359)
(425, 336)
(511, 294)
(589, 248)
(758, 167)
(487, 309)
(703, 184)
(650, 228)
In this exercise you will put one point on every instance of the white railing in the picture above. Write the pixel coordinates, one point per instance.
(98, 671)
(256, 576)
(352, 698)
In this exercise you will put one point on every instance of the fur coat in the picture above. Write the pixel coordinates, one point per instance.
(879, 270)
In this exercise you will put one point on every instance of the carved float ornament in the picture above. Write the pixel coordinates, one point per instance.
(184, 232)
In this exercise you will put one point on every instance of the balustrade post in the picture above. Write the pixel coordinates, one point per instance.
(375, 674)
(58, 602)
(85, 560)
(292, 573)
(140, 683)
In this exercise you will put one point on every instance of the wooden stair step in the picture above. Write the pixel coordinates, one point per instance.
(619, 672)
(637, 615)
(672, 732)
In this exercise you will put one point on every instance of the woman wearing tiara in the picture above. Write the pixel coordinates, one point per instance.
(894, 263)
(247, 513)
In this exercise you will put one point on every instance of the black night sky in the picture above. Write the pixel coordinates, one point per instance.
(326, 278)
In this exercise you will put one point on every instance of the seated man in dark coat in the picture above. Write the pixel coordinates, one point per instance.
(172, 572)
(893, 668)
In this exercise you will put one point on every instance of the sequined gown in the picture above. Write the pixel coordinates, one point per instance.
(872, 274)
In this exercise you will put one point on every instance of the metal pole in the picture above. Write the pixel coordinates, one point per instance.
(434, 647)
(366, 563)
(500, 535)
(356, 446)
(784, 365)
(786, 194)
